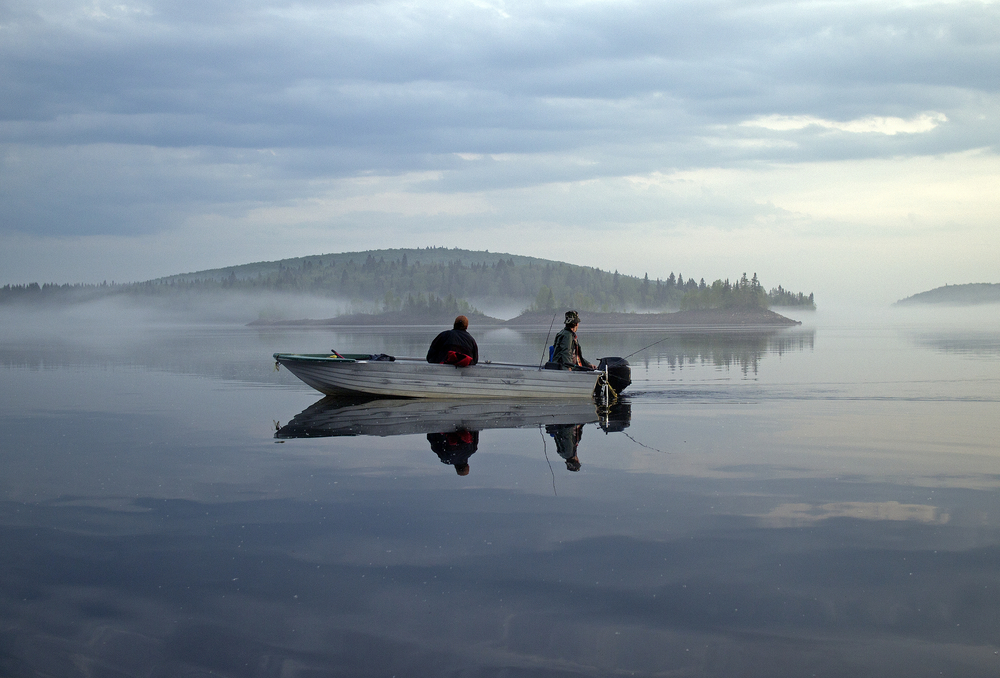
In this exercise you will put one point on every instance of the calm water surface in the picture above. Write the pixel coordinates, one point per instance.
(819, 501)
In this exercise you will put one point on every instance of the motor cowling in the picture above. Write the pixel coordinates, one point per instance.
(619, 372)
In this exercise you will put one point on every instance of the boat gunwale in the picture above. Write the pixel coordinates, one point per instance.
(345, 359)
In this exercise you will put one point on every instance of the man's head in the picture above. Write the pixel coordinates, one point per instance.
(461, 323)
(572, 319)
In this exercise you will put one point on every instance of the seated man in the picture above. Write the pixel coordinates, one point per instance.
(567, 354)
(455, 346)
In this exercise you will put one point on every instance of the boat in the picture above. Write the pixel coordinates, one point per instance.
(391, 377)
(335, 417)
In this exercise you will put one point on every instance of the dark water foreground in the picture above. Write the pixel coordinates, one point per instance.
(814, 501)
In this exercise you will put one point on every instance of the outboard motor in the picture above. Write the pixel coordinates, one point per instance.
(619, 372)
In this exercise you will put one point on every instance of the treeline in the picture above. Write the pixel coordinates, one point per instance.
(433, 305)
(392, 281)
(675, 292)
(601, 291)
(782, 297)
(743, 294)
(33, 292)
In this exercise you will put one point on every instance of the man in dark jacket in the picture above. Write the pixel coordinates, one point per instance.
(455, 346)
(566, 349)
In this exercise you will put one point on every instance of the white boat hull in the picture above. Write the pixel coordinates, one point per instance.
(412, 378)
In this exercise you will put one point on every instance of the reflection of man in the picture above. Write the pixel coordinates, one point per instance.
(567, 437)
(455, 346)
(455, 448)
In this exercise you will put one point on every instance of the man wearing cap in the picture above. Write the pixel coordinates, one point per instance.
(566, 349)
(455, 346)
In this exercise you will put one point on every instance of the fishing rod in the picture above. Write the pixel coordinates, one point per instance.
(645, 347)
(545, 346)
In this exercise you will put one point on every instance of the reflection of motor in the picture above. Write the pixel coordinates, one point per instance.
(616, 418)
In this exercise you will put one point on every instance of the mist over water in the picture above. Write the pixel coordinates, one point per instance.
(114, 313)
(815, 500)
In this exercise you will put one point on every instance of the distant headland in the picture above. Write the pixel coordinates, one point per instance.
(400, 285)
(956, 295)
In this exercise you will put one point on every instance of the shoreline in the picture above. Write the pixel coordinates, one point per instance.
(713, 318)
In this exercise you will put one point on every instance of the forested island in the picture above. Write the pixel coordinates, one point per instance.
(956, 295)
(441, 281)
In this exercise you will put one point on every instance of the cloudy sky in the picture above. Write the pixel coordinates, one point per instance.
(845, 147)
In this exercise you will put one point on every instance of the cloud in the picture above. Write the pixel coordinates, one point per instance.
(456, 77)
(130, 120)
(922, 123)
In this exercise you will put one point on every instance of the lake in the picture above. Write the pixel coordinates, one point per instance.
(815, 501)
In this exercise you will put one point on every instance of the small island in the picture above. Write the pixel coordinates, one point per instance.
(971, 294)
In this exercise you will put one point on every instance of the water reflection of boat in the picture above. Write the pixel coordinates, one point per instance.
(390, 417)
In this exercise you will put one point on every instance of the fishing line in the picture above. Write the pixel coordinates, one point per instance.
(545, 451)
(643, 445)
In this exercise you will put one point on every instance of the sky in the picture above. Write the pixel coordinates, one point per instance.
(847, 148)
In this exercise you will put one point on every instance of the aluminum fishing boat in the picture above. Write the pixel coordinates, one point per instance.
(377, 375)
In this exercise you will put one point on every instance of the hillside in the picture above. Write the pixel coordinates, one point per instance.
(956, 295)
(441, 279)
